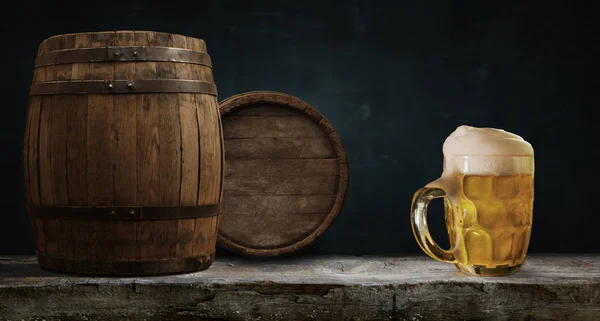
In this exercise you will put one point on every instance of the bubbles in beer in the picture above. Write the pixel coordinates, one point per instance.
(488, 178)
(501, 216)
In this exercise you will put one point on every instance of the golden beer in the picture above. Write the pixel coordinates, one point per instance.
(495, 217)
(488, 190)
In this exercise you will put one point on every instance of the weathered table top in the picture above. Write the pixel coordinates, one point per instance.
(310, 288)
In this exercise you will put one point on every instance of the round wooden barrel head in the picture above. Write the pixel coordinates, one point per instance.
(286, 174)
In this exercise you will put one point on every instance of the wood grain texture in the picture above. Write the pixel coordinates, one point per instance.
(32, 159)
(268, 185)
(147, 240)
(58, 150)
(100, 129)
(81, 233)
(102, 39)
(79, 71)
(183, 70)
(210, 153)
(151, 70)
(45, 157)
(125, 142)
(414, 287)
(157, 239)
(219, 152)
(39, 75)
(196, 44)
(282, 167)
(259, 126)
(185, 237)
(126, 149)
(103, 244)
(77, 119)
(53, 43)
(67, 41)
(125, 240)
(170, 151)
(63, 72)
(39, 237)
(125, 139)
(50, 73)
(148, 141)
(266, 109)
(275, 147)
(222, 147)
(77, 155)
(269, 236)
(205, 234)
(273, 222)
(285, 173)
(146, 69)
(51, 236)
(165, 70)
(100, 149)
(28, 121)
(190, 161)
(168, 242)
(64, 238)
(274, 204)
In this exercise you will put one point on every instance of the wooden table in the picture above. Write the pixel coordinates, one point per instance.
(310, 288)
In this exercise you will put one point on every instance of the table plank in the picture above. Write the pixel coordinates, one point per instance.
(549, 287)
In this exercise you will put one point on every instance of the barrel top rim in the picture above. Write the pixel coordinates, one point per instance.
(115, 31)
(239, 101)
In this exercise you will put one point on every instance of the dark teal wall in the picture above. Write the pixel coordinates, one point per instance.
(393, 77)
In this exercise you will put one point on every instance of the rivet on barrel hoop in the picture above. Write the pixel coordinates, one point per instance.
(140, 212)
(127, 221)
(122, 53)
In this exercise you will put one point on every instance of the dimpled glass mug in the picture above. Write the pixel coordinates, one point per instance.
(487, 186)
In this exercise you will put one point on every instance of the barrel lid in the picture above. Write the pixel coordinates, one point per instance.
(286, 174)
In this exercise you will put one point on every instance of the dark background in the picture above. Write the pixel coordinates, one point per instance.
(393, 77)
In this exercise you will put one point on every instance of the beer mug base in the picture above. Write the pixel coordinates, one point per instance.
(486, 271)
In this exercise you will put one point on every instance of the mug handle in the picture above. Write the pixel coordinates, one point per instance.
(418, 219)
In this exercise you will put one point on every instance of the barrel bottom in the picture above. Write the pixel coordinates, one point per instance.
(125, 268)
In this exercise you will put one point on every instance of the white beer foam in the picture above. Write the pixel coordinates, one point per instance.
(480, 145)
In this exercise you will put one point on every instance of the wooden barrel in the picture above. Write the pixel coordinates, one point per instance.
(286, 174)
(123, 154)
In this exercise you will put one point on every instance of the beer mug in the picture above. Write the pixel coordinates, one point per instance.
(487, 186)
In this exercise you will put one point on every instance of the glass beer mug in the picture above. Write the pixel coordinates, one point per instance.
(487, 186)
